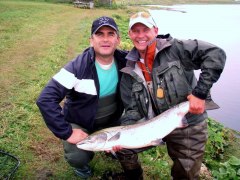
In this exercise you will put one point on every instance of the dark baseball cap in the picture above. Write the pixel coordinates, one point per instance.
(104, 21)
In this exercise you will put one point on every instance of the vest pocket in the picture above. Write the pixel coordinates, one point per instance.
(171, 78)
(141, 97)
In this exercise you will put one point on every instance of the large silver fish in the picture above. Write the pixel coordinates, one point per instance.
(148, 133)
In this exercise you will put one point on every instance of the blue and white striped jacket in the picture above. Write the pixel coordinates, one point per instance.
(78, 83)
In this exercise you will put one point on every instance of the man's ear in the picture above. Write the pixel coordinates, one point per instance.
(90, 42)
(129, 33)
(156, 30)
(119, 40)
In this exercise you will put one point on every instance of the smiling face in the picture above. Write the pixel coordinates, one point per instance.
(142, 36)
(105, 42)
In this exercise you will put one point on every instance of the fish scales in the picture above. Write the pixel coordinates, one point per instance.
(147, 133)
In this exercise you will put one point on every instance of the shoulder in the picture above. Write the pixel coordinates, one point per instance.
(120, 53)
(120, 56)
(81, 62)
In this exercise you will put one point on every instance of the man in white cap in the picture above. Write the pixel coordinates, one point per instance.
(158, 75)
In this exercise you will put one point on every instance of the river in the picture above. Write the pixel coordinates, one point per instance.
(220, 25)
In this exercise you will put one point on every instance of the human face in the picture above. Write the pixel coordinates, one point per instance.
(105, 42)
(142, 36)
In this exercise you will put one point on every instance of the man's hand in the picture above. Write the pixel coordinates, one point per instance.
(197, 106)
(77, 136)
(115, 149)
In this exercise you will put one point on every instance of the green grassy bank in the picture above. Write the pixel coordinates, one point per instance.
(36, 40)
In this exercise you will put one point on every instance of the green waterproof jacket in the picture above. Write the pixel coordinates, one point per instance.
(173, 72)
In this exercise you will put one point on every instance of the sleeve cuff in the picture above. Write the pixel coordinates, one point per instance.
(200, 95)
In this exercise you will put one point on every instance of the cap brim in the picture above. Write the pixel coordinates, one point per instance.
(142, 21)
(106, 25)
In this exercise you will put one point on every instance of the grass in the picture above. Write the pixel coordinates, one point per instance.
(37, 39)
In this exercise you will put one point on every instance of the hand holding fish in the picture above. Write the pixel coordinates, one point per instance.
(117, 148)
(114, 149)
(197, 106)
(77, 135)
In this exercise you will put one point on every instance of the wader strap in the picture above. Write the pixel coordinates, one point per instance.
(107, 106)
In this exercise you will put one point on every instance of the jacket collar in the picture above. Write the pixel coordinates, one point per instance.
(162, 43)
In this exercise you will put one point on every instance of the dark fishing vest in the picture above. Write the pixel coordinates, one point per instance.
(170, 76)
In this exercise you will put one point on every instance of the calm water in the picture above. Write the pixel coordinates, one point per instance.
(220, 25)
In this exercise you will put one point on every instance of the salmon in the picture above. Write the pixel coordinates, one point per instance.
(147, 133)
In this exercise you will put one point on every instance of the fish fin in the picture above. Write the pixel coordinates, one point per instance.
(211, 105)
(157, 142)
(115, 137)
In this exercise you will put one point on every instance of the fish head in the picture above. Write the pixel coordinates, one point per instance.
(94, 142)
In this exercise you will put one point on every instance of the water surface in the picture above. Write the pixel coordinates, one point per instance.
(220, 25)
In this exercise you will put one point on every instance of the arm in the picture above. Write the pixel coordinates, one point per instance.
(48, 103)
(49, 100)
(131, 114)
(211, 60)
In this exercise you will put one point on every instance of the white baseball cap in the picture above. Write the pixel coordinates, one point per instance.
(143, 18)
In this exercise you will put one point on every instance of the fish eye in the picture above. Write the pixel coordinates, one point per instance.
(90, 139)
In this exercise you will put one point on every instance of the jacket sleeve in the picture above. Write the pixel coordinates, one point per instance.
(207, 57)
(49, 106)
(131, 114)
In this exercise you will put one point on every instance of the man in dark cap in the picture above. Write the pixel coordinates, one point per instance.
(90, 85)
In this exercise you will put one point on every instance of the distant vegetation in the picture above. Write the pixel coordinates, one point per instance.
(142, 2)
